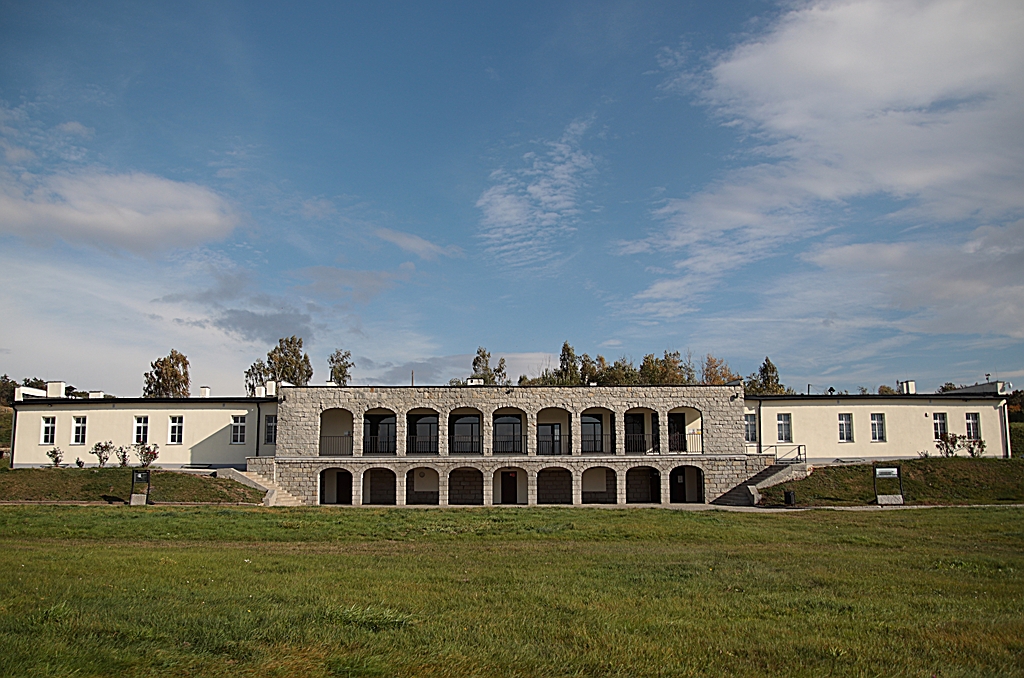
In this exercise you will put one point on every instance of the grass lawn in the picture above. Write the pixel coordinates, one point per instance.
(113, 485)
(208, 591)
(956, 480)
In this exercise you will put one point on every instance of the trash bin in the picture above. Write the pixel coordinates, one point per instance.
(790, 498)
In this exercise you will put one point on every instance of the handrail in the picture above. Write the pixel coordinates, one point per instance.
(336, 446)
(786, 453)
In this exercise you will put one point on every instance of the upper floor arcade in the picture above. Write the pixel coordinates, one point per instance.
(510, 421)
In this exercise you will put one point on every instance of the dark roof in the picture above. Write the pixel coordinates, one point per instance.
(875, 396)
(106, 401)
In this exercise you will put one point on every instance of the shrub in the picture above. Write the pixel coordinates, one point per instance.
(122, 453)
(949, 444)
(79, 463)
(102, 452)
(55, 456)
(1017, 439)
(147, 454)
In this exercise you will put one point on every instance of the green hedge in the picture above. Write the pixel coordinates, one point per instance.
(6, 417)
(1017, 438)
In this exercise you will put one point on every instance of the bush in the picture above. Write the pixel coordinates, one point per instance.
(55, 456)
(122, 453)
(1017, 439)
(147, 454)
(79, 463)
(949, 444)
(102, 452)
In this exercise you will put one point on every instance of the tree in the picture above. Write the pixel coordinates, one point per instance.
(256, 375)
(341, 365)
(287, 362)
(949, 386)
(168, 377)
(482, 369)
(670, 370)
(766, 381)
(568, 366)
(716, 371)
(887, 390)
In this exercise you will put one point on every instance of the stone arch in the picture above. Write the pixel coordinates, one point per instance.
(465, 431)
(554, 485)
(554, 431)
(379, 486)
(335, 432)
(599, 485)
(423, 429)
(641, 426)
(422, 486)
(504, 479)
(380, 430)
(643, 485)
(597, 431)
(335, 486)
(686, 485)
(508, 431)
(685, 430)
(466, 487)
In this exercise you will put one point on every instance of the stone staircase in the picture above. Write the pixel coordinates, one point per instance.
(746, 493)
(275, 494)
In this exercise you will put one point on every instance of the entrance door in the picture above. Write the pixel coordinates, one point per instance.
(509, 487)
(677, 486)
(676, 432)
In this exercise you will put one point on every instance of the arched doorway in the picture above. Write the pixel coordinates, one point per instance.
(422, 486)
(379, 429)
(554, 431)
(684, 431)
(554, 486)
(509, 486)
(508, 426)
(686, 485)
(599, 486)
(379, 486)
(466, 487)
(335, 486)
(336, 433)
(643, 485)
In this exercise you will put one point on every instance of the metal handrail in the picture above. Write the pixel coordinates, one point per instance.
(641, 443)
(378, 446)
(597, 443)
(421, 445)
(786, 454)
(554, 445)
(509, 444)
(336, 446)
(691, 442)
(465, 445)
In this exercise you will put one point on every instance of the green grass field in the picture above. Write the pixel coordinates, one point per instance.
(235, 591)
(956, 480)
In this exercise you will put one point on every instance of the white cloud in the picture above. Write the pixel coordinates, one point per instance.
(916, 103)
(137, 212)
(528, 210)
(75, 128)
(361, 286)
(414, 244)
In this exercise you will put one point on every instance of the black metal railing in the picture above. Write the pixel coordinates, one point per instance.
(509, 444)
(787, 453)
(554, 445)
(421, 445)
(641, 443)
(465, 445)
(597, 443)
(378, 446)
(335, 446)
(691, 442)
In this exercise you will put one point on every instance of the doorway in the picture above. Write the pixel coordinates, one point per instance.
(509, 487)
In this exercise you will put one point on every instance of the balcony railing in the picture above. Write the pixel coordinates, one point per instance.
(597, 443)
(377, 446)
(509, 444)
(465, 445)
(421, 445)
(554, 445)
(786, 454)
(691, 442)
(335, 446)
(641, 443)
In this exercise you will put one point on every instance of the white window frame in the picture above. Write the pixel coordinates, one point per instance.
(238, 429)
(973, 421)
(78, 430)
(175, 427)
(940, 424)
(141, 429)
(270, 429)
(846, 427)
(48, 431)
(750, 429)
(878, 427)
(785, 419)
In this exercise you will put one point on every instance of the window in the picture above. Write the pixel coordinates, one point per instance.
(878, 428)
(750, 428)
(78, 432)
(973, 426)
(142, 430)
(939, 424)
(238, 429)
(49, 432)
(176, 431)
(270, 429)
(785, 428)
(846, 428)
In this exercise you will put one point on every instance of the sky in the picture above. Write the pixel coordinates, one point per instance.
(836, 185)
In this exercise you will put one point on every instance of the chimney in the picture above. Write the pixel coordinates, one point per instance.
(204, 391)
(261, 391)
(95, 395)
(475, 382)
(55, 389)
(908, 387)
(271, 387)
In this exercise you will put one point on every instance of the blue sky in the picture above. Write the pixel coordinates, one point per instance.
(839, 185)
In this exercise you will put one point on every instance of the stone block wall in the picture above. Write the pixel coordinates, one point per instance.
(643, 486)
(466, 487)
(610, 493)
(554, 486)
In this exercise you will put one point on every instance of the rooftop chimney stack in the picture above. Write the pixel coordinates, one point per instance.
(55, 389)
(204, 391)
(908, 387)
(271, 387)
(261, 391)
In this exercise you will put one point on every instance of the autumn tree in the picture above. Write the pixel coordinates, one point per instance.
(168, 377)
(716, 371)
(670, 370)
(257, 375)
(287, 362)
(887, 390)
(341, 365)
(766, 381)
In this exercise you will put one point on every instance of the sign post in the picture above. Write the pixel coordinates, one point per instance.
(140, 477)
(888, 473)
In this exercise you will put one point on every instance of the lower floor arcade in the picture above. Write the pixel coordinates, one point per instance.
(508, 482)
